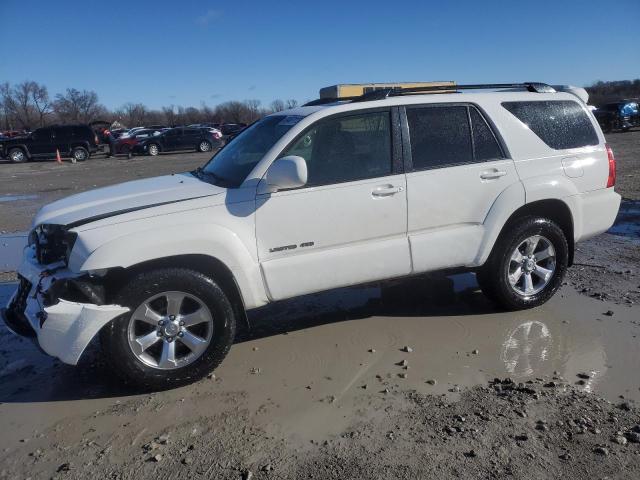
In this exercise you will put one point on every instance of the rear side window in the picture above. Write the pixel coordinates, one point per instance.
(440, 136)
(485, 145)
(561, 124)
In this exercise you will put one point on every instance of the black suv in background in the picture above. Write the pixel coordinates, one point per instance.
(75, 141)
(180, 138)
(621, 115)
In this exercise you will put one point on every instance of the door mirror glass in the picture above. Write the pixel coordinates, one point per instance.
(286, 172)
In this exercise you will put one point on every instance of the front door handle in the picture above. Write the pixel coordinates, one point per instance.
(491, 174)
(386, 190)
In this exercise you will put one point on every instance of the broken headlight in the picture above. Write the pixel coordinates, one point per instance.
(53, 243)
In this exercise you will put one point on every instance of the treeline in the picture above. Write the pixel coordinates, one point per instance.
(28, 105)
(606, 92)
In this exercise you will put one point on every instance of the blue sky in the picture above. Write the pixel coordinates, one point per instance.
(186, 52)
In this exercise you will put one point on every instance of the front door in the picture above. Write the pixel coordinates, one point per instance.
(348, 224)
(456, 170)
(41, 143)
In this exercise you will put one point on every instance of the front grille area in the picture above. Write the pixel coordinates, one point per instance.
(19, 303)
(14, 315)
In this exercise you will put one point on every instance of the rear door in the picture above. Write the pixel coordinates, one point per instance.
(190, 138)
(348, 224)
(456, 168)
(172, 139)
(62, 138)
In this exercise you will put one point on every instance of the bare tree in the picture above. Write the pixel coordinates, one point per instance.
(170, 115)
(7, 104)
(132, 114)
(41, 102)
(291, 103)
(253, 110)
(277, 105)
(77, 106)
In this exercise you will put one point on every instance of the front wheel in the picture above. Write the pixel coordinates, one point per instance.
(180, 327)
(17, 155)
(527, 264)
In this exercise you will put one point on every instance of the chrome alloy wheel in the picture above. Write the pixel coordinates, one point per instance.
(532, 265)
(153, 149)
(17, 156)
(205, 146)
(170, 330)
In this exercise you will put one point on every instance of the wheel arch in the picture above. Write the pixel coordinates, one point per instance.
(555, 210)
(22, 147)
(205, 264)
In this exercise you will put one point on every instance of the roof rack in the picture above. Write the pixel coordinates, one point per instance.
(383, 93)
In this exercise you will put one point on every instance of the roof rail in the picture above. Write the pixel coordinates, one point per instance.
(381, 94)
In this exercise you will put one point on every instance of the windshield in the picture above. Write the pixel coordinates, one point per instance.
(231, 165)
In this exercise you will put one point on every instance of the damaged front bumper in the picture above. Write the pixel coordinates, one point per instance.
(63, 328)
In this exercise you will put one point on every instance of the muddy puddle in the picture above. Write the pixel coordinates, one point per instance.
(11, 246)
(16, 198)
(628, 220)
(315, 362)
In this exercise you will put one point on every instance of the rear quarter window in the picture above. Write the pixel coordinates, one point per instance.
(561, 124)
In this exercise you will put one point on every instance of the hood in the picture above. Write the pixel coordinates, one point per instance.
(122, 198)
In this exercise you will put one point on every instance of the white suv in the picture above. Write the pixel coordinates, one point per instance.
(502, 180)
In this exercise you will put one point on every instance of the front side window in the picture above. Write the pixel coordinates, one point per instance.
(440, 136)
(346, 148)
(231, 165)
(561, 124)
(42, 134)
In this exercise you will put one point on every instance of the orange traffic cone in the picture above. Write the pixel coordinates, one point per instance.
(58, 159)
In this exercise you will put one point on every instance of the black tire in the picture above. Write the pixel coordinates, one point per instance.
(80, 154)
(115, 336)
(493, 277)
(17, 155)
(153, 149)
(204, 146)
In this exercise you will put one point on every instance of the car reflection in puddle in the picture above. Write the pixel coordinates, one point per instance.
(526, 348)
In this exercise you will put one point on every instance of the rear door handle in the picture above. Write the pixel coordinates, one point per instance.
(490, 174)
(386, 190)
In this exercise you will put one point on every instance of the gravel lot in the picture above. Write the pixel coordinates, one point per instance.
(324, 386)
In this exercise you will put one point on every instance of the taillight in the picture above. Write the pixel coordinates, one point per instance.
(611, 181)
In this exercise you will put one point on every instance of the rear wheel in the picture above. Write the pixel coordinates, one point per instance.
(17, 155)
(204, 146)
(153, 149)
(180, 327)
(80, 154)
(527, 264)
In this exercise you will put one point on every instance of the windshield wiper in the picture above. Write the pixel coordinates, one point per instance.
(201, 173)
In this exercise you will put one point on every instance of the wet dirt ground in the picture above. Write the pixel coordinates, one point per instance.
(323, 387)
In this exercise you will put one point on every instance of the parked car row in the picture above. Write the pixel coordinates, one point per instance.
(79, 142)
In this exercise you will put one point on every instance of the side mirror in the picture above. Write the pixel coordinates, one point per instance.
(285, 172)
